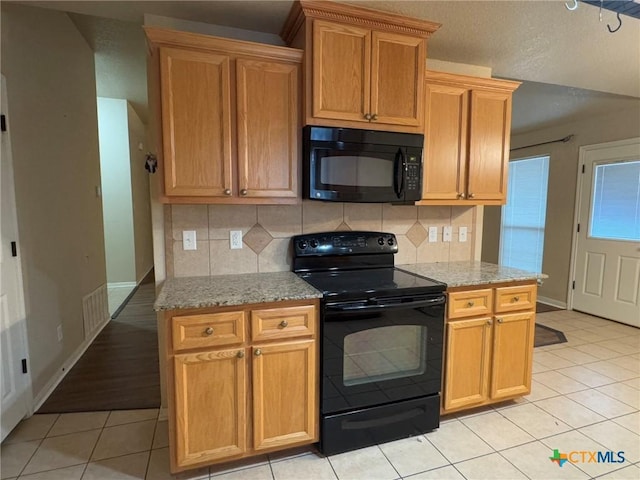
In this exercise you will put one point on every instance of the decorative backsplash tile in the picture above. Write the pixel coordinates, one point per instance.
(267, 231)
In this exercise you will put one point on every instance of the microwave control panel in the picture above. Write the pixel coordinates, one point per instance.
(414, 173)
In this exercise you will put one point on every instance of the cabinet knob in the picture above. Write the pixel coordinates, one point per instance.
(367, 116)
(227, 191)
(500, 320)
(258, 352)
(461, 196)
(470, 304)
(489, 322)
(243, 191)
(374, 117)
(240, 354)
(209, 331)
(516, 299)
(284, 323)
(471, 195)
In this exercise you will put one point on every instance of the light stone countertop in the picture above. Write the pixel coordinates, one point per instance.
(230, 290)
(459, 274)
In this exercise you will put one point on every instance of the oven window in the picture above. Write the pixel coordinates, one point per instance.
(356, 171)
(384, 353)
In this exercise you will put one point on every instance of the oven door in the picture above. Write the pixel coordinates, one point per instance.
(381, 351)
(346, 172)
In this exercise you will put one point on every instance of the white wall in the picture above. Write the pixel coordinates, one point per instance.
(115, 167)
(52, 115)
(563, 171)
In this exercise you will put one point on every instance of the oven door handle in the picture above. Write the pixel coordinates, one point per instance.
(431, 302)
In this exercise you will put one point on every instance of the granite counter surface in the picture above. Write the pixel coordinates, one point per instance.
(230, 290)
(459, 274)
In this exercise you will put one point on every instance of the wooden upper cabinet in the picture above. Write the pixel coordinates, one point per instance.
(268, 128)
(230, 118)
(341, 71)
(365, 68)
(467, 130)
(397, 78)
(196, 113)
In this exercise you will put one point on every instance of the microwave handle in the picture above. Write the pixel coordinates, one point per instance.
(398, 173)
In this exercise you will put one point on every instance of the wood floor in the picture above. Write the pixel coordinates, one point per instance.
(119, 371)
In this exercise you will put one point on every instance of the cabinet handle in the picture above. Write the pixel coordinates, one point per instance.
(470, 304)
(461, 196)
(489, 322)
(374, 117)
(471, 195)
(284, 323)
(209, 331)
(227, 191)
(516, 299)
(243, 192)
(258, 352)
(240, 354)
(500, 320)
(367, 116)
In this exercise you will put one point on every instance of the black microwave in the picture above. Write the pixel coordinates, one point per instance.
(353, 165)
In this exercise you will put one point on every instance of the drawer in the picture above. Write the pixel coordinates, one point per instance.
(509, 299)
(287, 322)
(207, 330)
(469, 303)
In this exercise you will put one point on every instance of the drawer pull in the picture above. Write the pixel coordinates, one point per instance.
(258, 352)
(209, 331)
(470, 304)
(516, 299)
(284, 323)
(240, 354)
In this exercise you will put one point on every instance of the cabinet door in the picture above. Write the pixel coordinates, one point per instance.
(210, 406)
(268, 128)
(512, 354)
(397, 79)
(285, 404)
(445, 142)
(467, 362)
(341, 71)
(490, 125)
(196, 122)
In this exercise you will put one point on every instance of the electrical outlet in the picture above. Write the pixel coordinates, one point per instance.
(235, 239)
(433, 234)
(189, 240)
(60, 335)
(462, 234)
(446, 233)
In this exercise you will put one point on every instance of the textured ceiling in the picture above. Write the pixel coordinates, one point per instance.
(575, 64)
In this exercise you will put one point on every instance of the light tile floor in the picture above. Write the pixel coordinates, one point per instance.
(586, 397)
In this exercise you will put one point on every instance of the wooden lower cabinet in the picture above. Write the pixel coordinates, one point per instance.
(234, 401)
(488, 357)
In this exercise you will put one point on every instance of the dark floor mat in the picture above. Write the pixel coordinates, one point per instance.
(547, 336)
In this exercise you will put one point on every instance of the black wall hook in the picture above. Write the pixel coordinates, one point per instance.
(614, 30)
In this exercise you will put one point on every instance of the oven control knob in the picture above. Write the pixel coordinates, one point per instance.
(302, 244)
(390, 242)
(313, 243)
(381, 241)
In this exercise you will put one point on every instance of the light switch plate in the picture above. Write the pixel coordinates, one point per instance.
(189, 240)
(446, 233)
(433, 234)
(462, 234)
(235, 239)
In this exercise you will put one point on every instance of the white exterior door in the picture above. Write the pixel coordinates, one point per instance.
(16, 391)
(607, 252)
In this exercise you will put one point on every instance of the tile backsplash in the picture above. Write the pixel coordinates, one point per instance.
(267, 232)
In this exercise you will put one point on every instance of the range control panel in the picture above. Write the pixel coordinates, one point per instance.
(344, 243)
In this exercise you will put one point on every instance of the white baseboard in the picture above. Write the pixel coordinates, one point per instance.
(51, 385)
(552, 302)
(121, 285)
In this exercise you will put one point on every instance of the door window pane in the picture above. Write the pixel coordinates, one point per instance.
(384, 353)
(524, 215)
(615, 211)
